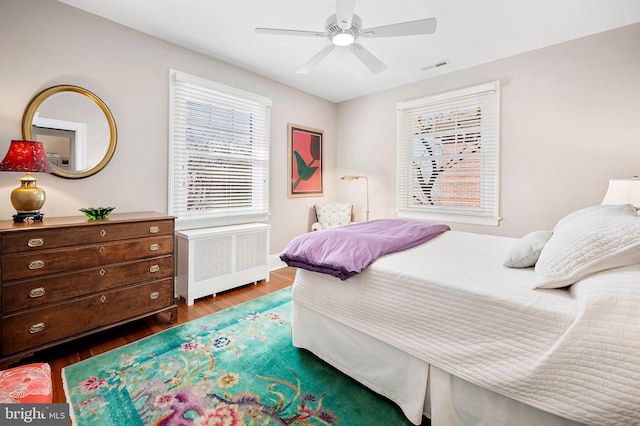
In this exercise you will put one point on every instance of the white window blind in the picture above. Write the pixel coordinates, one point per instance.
(448, 156)
(219, 152)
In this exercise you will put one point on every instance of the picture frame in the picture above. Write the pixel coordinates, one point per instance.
(305, 174)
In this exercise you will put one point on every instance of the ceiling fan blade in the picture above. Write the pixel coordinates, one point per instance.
(367, 58)
(278, 31)
(419, 27)
(311, 63)
(344, 12)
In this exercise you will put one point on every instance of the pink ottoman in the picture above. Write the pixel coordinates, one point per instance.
(30, 384)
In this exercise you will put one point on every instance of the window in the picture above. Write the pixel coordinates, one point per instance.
(219, 153)
(448, 148)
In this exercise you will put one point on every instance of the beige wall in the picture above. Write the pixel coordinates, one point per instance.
(45, 43)
(570, 120)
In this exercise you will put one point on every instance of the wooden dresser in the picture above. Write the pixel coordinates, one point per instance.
(68, 277)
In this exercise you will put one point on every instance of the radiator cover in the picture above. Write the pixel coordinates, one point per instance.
(212, 260)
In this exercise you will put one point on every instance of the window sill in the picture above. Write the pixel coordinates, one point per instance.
(439, 217)
(210, 222)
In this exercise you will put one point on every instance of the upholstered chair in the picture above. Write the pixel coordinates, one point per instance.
(332, 215)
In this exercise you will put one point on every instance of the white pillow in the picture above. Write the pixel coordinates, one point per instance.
(588, 241)
(525, 251)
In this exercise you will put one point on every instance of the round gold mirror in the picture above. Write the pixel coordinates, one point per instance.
(76, 128)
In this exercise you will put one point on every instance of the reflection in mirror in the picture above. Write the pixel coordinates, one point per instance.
(76, 128)
(61, 146)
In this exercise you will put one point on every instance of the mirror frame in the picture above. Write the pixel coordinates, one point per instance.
(32, 107)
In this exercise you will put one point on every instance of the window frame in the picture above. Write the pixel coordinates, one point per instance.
(487, 98)
(234, 102)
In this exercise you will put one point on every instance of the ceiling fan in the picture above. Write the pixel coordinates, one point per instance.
(344, 28)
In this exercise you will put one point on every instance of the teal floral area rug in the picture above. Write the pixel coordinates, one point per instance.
(235, 367)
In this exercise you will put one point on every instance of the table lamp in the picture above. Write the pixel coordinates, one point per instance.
(623, 191)
(27, 199)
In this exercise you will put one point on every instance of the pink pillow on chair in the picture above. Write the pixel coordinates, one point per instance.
(30, 384)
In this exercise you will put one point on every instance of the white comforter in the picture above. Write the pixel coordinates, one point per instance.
(451, 303)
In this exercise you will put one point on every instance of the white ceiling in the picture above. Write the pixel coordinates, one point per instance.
(469, 32)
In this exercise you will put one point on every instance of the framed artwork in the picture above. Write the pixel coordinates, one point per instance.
(305, 161)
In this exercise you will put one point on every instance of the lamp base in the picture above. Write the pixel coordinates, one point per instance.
(20, 217)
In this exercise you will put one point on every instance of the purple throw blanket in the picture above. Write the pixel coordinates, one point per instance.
(344, 252)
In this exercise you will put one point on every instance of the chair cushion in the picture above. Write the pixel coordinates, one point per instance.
(333, 215)
(30, 384)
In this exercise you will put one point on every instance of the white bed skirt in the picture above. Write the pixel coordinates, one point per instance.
(382, 368)
(412, 384)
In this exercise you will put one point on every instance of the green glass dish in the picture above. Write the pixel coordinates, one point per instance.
(95, 213)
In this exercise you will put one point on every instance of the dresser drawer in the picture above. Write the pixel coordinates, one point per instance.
(34, 239)
(40, 326)
(35, 292)
(28, 265)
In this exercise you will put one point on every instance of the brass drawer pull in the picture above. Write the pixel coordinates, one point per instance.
(103, 298)
(36, 264)
(103, 232)
(154, 247)
(154, 295)
(154, 230)
(102, 272)
(36, 328)
(35, 242)
(36, 292)
(154, 268)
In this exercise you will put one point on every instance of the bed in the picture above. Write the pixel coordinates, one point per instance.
(445, 329)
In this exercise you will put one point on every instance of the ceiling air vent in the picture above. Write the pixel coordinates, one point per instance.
(436, 65)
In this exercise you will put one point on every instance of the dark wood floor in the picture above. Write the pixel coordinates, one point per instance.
(69, 353)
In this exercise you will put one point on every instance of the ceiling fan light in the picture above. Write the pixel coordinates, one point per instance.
(343, 39)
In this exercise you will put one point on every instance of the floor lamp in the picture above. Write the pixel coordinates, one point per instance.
(355, 177)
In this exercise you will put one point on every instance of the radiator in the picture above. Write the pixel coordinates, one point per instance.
(212, 260)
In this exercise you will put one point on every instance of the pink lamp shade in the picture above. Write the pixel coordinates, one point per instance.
(26, 156)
